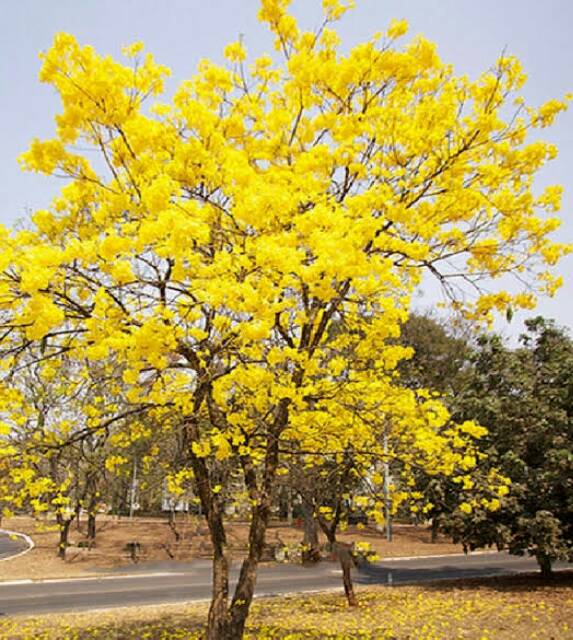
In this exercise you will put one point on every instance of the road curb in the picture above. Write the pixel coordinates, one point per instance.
(26, 538)
(119, 576)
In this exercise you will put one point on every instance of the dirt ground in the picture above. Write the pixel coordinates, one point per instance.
(502, 608)
(159, 542)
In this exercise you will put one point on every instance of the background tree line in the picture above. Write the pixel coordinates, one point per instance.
(523, 395)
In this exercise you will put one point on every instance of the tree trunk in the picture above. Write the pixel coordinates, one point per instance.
(92, 493)
(64, 525)
(228, 623)
(435, 529)
(545, 564)
(171, 521)
(218, 620)
(311, 552)
(91, 527)
(346, 562)
(245, 589)
(78, 517)
(224, 622)
(289, 507)
(344, 554)
(261, 497)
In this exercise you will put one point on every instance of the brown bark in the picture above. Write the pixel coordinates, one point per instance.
(435, 529)
(92, 493)
(245, 589)
(171, 521)
(78, 517)
(545, 564)
(289, 507)
(311, 552)
(261, 498)
(346, 563)
(224, 622)
(230, 625)
(64, 525)
(217, 620)
(91, 527)
(343, 553)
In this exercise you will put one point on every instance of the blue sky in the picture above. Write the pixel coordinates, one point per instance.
(179, 33)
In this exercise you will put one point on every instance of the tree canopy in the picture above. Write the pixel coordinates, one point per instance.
(524, 397)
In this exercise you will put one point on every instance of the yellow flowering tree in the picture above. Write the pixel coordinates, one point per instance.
(48, 408)
(340, 471)
(240, 255)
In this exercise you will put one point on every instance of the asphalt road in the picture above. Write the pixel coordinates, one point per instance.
(178, 582)
(11, 545)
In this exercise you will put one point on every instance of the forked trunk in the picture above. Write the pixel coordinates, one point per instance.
(228, 623)
(224, 622)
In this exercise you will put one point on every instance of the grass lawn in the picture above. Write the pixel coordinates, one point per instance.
(521, 607)
(159, 543)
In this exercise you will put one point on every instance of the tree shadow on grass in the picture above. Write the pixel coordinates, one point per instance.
(520, 583)
(449, 578)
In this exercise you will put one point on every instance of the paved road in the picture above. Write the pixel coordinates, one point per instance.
(11, 545)
(178, 582)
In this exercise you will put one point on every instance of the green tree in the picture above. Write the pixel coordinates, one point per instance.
(524, 397)
(441, 351)
(442, 348)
